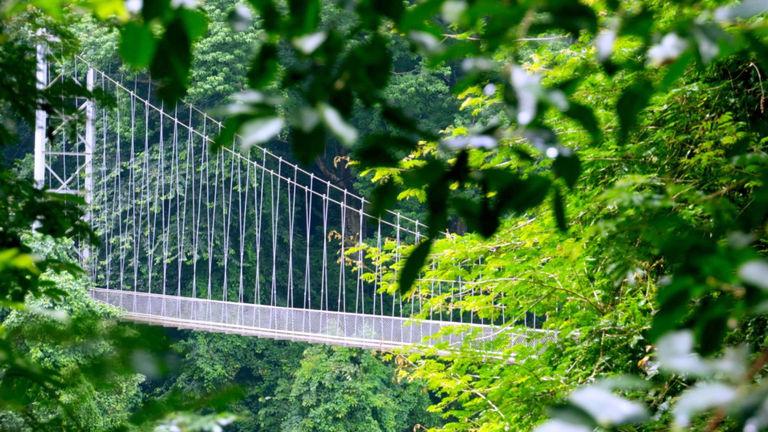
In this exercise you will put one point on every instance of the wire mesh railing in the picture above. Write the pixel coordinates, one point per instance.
(237, 230)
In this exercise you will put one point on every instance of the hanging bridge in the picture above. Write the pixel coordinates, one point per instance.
(238, 240)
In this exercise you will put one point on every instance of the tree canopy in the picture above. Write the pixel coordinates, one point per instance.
(604, 163)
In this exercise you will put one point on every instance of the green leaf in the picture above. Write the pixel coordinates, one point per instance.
(392, 9)
(398, 118)
(382, 149)
(487, 221)
(514, 193)
(65, 197)
(586, 117)
(155, 9)
(384, 197)
(674, 300)
(631, 102)
(639, 24)
(13, 259)
(460, 170)
(270, 16)
(437, 195)
(711, 322)
(416, 17)
(741, 10)
(307, 143)
(558, 425)
(227, 133)
(570, 414)
(570, 16)
(425, 174)
(172, 60)
(370, 67)
(137, 44)
(558, 206)
(173, 56)
(758, 47)
(676, 70)
(711, 41)
(304, 16)
(468, 209)
(264, 66)
(195, 22)
(567, 166)
(413, 265)
(240, 18)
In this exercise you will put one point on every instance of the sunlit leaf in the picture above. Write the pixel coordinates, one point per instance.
(675, 354)
(106, 9)
(308, 43)
(346, 133)
(604, 44)
(607, 409)
(667, 50)
(755, 273)
(240, 17)
(528, 89)
(260, 130)
(487, 142)
(700, 398)
(557, 425)
(452, 10)
(741, 10)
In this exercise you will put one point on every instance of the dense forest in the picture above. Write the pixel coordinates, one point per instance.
(281, 385)
(601, 164)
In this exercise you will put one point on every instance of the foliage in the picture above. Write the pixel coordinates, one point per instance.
(657, 264)
(642, 122)
(72, 346)
(345, 389)
(65, 363)
(331, 74)
(290, 386)
(71, 365)
(212, 361)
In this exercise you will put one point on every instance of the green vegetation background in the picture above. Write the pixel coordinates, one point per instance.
(285, 386)
(669, 207)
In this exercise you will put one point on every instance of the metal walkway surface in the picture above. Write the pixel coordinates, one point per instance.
(295, 324)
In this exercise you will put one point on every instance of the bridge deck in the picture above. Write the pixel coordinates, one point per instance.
(276, 322)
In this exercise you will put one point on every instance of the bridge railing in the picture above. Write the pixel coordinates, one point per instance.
(240, 226)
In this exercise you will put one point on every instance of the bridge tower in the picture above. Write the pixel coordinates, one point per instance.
(64, 141)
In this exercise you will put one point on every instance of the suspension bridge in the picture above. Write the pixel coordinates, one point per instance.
(239, 240)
